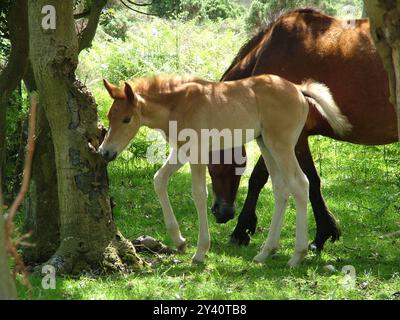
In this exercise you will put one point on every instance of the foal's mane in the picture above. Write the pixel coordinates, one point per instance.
(263, 30)
(162, 84)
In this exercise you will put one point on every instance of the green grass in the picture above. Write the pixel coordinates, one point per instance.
(366, 203)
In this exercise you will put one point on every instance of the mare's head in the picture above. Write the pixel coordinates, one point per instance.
(225, 182)
(124, 120)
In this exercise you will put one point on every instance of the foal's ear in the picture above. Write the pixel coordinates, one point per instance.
(129, 92)
(112, 90)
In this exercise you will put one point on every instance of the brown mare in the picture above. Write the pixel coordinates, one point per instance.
(299, 45)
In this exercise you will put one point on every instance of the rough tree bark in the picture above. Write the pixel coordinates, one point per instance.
(89, 238)
(384, 16)
(7, 285)
(42, 214)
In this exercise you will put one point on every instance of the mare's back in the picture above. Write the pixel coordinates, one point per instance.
(310, 45)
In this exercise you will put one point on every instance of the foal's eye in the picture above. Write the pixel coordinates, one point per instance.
(126, 120)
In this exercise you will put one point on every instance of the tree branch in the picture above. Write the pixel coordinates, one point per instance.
(137, 11)
(83, 14)
(140, 4)
(87, 35)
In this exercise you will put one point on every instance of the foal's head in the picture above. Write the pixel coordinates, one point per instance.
(124, 120)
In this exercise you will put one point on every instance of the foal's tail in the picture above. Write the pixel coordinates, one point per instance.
(320, 95)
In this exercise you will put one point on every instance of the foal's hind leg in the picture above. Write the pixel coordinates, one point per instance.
(281, 194)
(297, 183)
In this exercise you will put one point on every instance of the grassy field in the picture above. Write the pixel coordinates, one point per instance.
(361, 186)
(364, 199)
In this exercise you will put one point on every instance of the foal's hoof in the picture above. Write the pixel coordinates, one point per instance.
(182, 248)
(198, 260)
(262, 256)
(297, 258)
(259, 258)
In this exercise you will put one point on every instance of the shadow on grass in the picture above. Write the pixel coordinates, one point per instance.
(138, 212)
(344, 198)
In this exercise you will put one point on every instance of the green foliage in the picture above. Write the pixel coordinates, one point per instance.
(211, 9)
(15, 141)
(4, 42)
(199, 9)
(115, 23)
(165, 8)
(162, 46)
(261, 10)
(82, 4)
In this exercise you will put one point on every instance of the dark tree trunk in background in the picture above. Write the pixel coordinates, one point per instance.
(384, 16)
(42, 216)
(89, 238)
(17, 63)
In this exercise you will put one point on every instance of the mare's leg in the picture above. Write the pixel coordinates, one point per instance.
(281, 194)
(199, 193)
(161, 187)
(247, 220)
(327, 226)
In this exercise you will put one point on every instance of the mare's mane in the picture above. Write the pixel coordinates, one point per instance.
(263, 30)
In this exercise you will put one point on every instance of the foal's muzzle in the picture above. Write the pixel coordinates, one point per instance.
(108, 155)
(223, 211)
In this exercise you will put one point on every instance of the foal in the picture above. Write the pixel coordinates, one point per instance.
(273, 108)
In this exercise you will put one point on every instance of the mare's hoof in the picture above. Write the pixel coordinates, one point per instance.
(240, 240)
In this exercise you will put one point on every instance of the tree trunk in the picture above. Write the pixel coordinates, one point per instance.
(384, 16)
(7, 285)
(89, 238)
(42, 213)
(17, 63)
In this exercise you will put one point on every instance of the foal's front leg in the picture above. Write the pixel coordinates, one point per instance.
(161, 187)
(199, 193)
